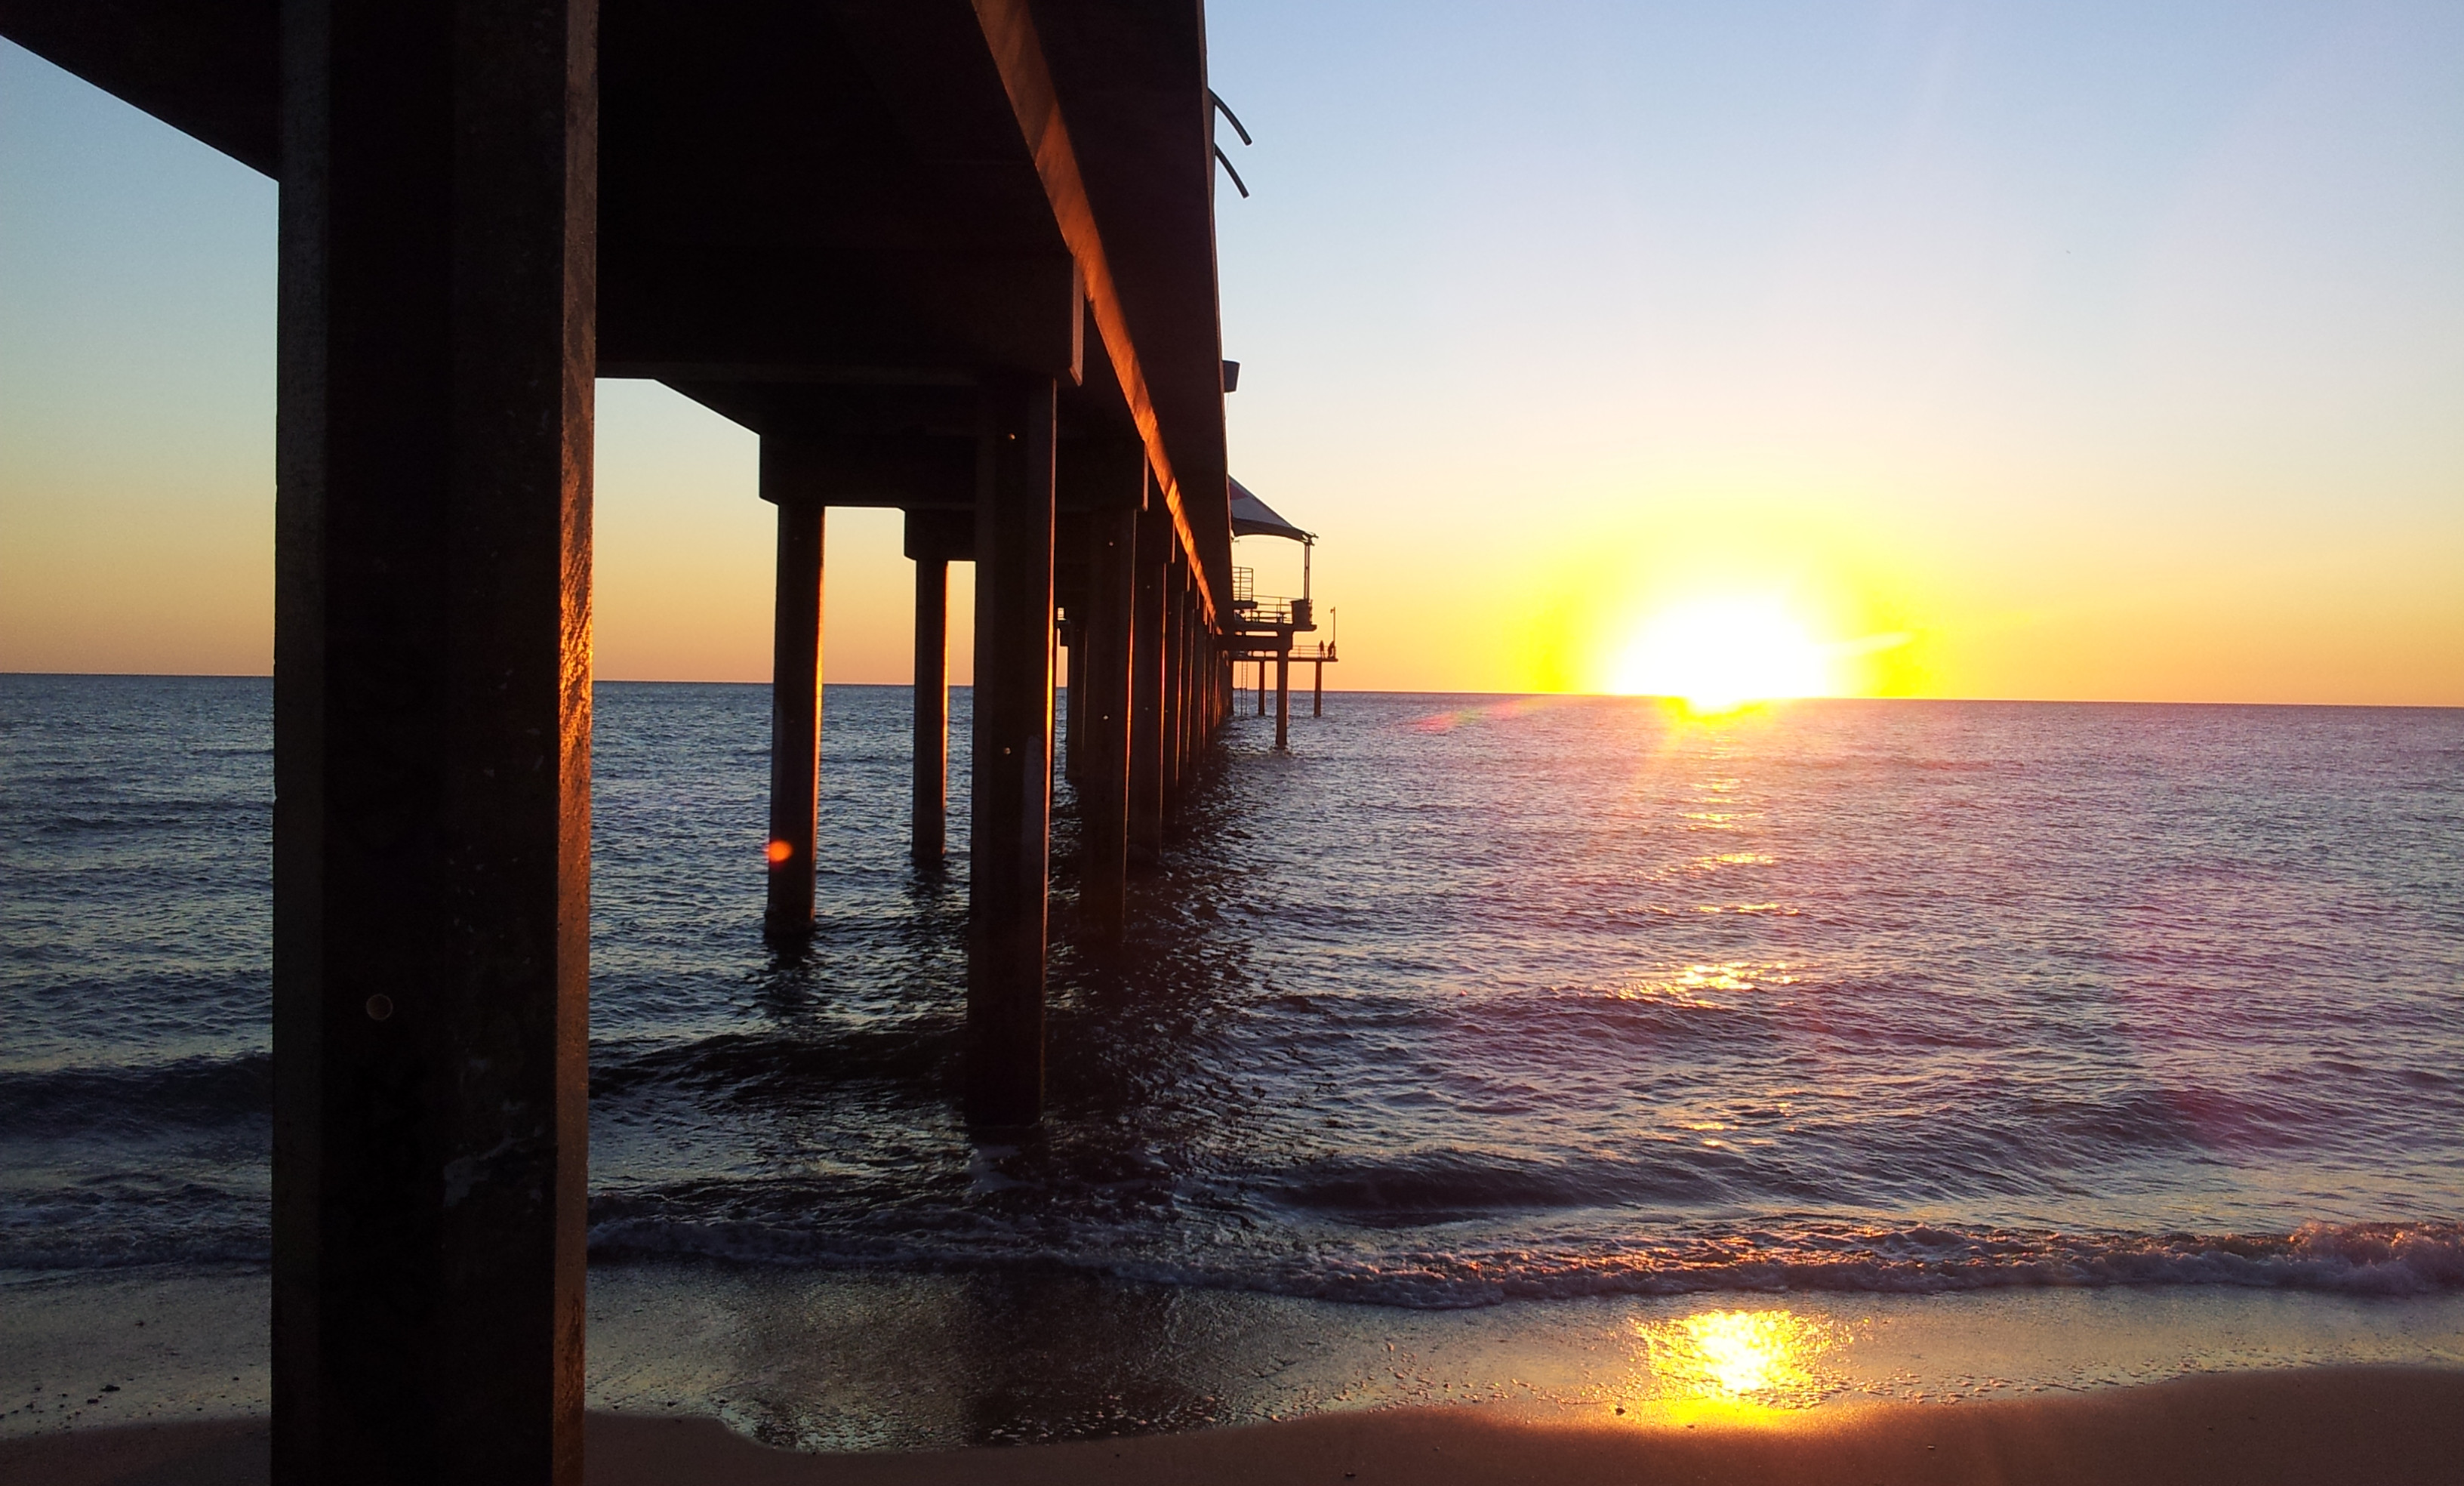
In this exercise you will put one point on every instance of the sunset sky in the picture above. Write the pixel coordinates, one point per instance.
(2038, 350)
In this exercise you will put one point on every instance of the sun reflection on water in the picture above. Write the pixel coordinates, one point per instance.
(1762, 1358)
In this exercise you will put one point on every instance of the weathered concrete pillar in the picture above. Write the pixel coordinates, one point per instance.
(1149, 628)
(432, 838)
(1180, 689)
(795, 711)
(1073, 717)
(1103, 774)
(1190, 725)
(1176, 630)
(1284, 694)
(1193, 688)
(928, 827)
(1010, 866)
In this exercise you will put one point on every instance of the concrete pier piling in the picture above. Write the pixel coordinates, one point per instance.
(928, 806)
(1149, 626)
(1072, 639)
(433, 742)
(1283, 700)
(795, 714)
(1008, 860)
(1103, 774)
(1176, 635)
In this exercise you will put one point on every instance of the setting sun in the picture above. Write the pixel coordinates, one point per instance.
(1718, 654)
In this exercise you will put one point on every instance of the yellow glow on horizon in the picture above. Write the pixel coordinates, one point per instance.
(1720, 652)
(1759, 1357)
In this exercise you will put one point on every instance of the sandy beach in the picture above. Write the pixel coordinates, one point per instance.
(2340, 1425)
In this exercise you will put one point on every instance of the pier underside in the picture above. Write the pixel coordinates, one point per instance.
(953, 259)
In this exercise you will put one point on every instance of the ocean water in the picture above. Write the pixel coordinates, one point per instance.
(1464, 1002)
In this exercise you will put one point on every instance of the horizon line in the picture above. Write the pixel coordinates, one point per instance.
(1504, 696)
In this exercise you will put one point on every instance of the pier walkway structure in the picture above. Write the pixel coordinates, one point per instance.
(951, 257)
(1262, 629)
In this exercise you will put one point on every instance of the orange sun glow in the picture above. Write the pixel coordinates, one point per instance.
(1719, 653)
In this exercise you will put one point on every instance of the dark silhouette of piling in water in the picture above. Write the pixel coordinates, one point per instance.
(1284, 699)
(1010, 834)
(794, 713)
(1103, 774)
(930, 807)
(1148, 717)
(433, 742)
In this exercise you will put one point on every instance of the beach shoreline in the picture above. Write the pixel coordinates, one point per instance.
(2353, 1425)
(847, 1362)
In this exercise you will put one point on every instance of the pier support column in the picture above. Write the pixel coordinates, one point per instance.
(1262, 686)
(1193, 697)
(1147, 711)
(1176, 636)
(1072, 639)
(1317, 688)
(1183, 692)
(1103, 770)
(431, 725)
(795, 714)
(927, 818)
(1010, 866)
(1284, 697)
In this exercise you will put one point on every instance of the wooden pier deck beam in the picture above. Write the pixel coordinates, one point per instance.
(431, 839)
(1009, 865)
(1148, 632)
(795, 710)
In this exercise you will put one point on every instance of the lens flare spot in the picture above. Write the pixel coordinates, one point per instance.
(779, 851)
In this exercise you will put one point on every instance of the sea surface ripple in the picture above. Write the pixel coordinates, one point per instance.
(1462, 1001)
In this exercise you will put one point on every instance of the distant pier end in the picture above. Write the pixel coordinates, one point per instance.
(1263, 629)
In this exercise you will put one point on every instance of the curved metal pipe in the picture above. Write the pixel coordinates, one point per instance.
(1218, 99)
(1226, 161)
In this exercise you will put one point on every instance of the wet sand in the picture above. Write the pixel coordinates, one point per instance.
(846, 1364)
(2330, 1425)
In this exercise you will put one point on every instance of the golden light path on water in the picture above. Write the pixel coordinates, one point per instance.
(1737, 1363)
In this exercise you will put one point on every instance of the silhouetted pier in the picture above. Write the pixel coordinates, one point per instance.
(1263, 629)
(956, 259)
